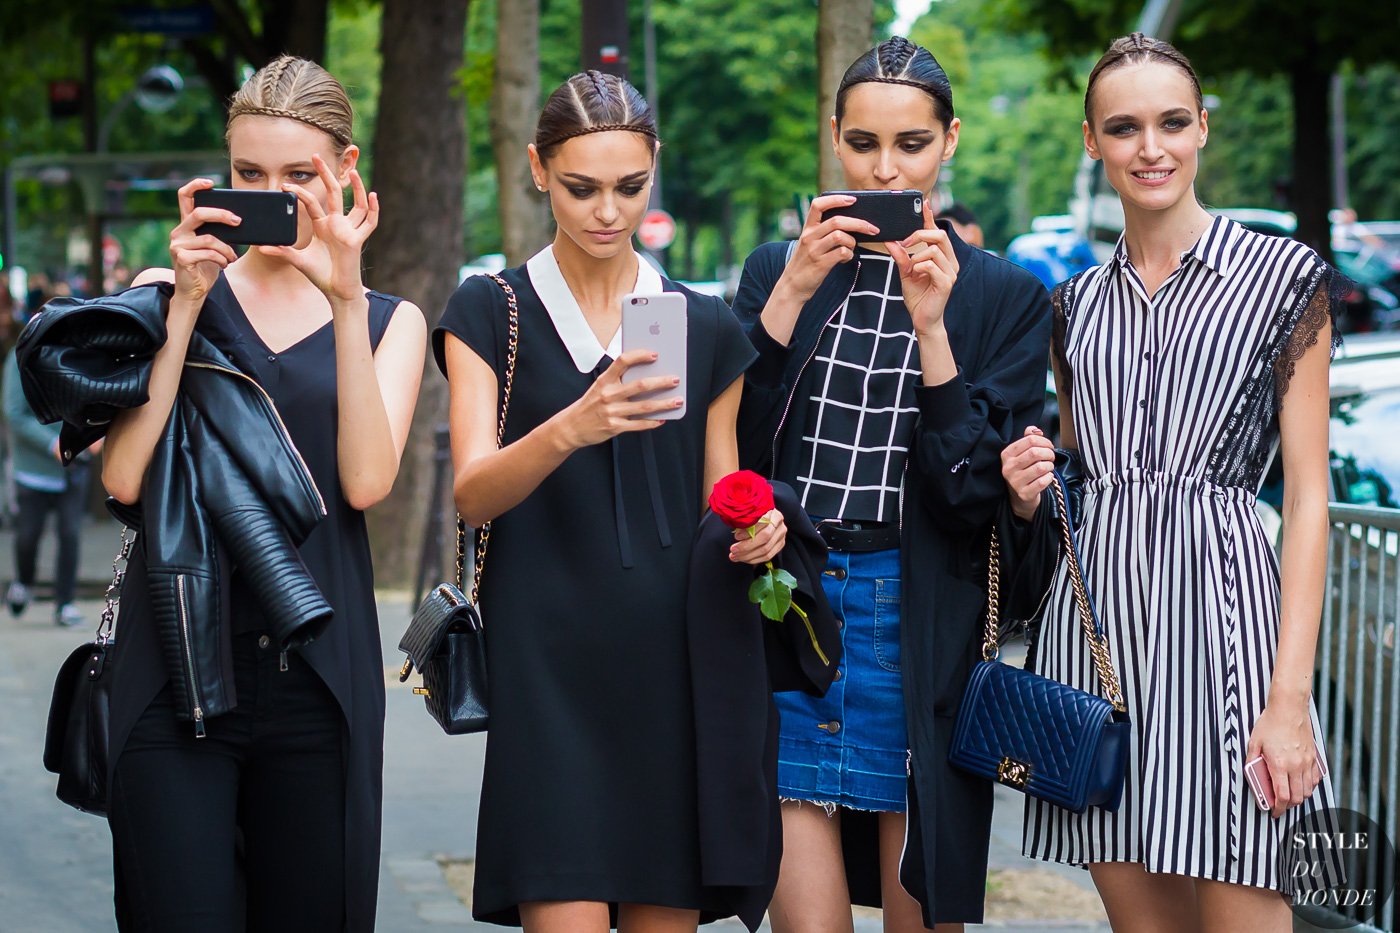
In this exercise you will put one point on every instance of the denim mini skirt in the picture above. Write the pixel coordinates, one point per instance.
(850, 747)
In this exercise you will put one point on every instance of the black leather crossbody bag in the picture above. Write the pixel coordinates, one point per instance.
(446, 640)
(76, 742)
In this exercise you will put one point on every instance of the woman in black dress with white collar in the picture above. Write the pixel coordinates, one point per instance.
(589, 802)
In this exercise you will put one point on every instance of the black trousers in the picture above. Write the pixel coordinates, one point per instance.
(34, 508)
(243, 829)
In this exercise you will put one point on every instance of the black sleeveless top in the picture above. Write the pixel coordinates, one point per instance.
(302, 383)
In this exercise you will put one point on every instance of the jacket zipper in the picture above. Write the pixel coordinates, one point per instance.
(793, 392)
(195, 700)
(286, 435)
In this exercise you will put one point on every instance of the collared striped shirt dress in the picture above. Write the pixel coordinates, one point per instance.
(1175, 401)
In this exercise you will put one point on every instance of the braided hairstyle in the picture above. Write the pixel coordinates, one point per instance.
(899, 61)
(296, 89)
(1138, 49)
(591, 102)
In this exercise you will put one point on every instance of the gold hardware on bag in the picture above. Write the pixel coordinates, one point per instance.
(405, 670)
(422, 692)
(1013, 773)
(446, 592)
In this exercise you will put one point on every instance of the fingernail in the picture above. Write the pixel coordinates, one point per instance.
(676, 381)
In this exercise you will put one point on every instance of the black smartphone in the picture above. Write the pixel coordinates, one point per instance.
(897, 213)
(269, 217)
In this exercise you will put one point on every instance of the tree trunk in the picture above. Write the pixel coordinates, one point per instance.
(1311, 189)
(844, 31)
(420, 156)
(303, 29)
(515, 102)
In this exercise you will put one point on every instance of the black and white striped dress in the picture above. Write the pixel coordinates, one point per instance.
(1175, 402)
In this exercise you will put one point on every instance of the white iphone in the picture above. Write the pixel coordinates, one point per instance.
(657, 322)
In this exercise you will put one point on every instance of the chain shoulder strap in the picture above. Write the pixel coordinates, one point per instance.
(484, 534)
(107, 624)
(1093, 631)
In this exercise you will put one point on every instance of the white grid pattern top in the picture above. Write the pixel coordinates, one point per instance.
(862, 416)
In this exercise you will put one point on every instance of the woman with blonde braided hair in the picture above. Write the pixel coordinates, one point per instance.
(264, 815)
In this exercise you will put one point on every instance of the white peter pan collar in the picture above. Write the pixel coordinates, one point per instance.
(567, 316)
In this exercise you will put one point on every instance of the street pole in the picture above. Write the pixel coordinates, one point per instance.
(1341, 195)
(605, 40)
(649, 69)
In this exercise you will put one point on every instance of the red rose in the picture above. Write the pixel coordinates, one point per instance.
(741, 499)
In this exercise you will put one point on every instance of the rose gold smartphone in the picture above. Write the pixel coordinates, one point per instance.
(658, 323)
(1261, 783)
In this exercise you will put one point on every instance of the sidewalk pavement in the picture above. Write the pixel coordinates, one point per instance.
(55, 863)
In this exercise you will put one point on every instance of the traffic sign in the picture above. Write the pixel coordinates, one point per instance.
(657, 231)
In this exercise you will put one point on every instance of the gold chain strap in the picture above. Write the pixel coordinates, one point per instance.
(1098, 645)
(108, 621)
(484, 538)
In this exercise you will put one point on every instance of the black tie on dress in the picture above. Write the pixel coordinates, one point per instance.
(658, 506)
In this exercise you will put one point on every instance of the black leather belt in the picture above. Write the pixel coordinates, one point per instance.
(858, 536)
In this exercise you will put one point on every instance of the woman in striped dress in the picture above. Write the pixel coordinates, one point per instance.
(1182, 363)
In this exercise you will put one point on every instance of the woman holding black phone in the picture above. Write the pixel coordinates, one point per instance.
(266, 817)
(890, 374)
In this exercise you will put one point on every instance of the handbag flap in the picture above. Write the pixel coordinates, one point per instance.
(72, 685)
(443, 610)
(1033, 720)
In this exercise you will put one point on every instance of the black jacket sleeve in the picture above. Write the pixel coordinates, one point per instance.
(765, 389)
(966, 422)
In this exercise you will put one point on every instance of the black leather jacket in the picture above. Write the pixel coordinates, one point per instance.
(226, 486)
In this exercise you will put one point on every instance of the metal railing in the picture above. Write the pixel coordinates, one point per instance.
(1358, 682)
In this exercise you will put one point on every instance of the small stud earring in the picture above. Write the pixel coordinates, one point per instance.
(542, 188)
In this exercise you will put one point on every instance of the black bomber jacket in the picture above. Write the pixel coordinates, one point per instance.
(226, 487)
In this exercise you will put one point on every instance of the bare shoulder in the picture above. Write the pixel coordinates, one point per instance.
(147, 276)
(408, 319)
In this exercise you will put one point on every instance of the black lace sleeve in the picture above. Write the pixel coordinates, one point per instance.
(1318, 301)
(1062, 300)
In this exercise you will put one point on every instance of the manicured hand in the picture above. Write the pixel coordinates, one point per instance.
(608, 408)
(928, 269)
(764, 545)
(1283, 735)
(331, 261)
(199, 258)
(1028, 466)
(823, 243)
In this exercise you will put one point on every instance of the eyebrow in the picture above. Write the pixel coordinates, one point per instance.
(589, 180)
(902, 134)
(1174, 112)
(248, 163)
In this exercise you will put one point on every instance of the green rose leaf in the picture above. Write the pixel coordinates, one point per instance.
(776, 606)
(761, 589)
(786, 579)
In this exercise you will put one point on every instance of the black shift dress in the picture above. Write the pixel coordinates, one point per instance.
(301, 380)
(589, 790)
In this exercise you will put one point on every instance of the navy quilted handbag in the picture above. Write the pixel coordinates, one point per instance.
(1037, 735)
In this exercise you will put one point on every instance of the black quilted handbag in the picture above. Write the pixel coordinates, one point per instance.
(446, 640)
(75, 744)
(1037, 735)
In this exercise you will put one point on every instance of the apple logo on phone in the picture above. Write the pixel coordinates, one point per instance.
(655, 329)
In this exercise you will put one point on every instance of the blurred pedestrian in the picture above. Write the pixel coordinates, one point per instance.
(1184, 364)
(889, 377)
(246, 790)
(964, 221)
(43, 487)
